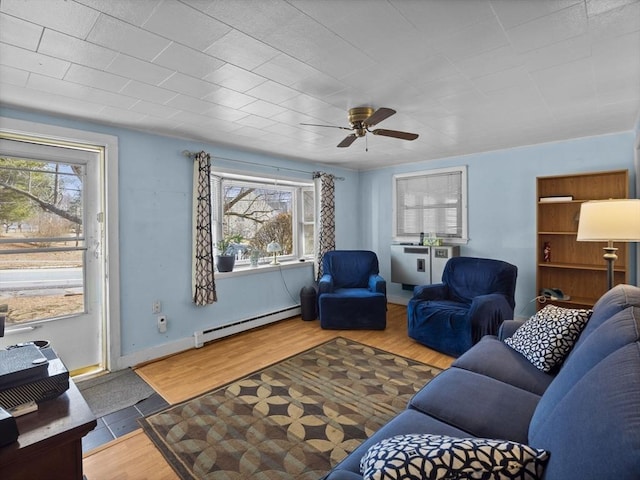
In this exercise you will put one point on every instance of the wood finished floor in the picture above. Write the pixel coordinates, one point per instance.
(191, 373)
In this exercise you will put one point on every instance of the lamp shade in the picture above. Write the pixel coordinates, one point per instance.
(615, 220)
(274, 247)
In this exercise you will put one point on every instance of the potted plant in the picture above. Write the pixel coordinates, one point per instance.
(226, 258)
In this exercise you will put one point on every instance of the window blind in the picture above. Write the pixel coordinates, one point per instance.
(431, 203)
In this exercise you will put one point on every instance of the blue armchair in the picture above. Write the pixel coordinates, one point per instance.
(351, 293)
(476, 295)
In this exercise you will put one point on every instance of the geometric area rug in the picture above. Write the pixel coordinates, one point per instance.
(295, 419)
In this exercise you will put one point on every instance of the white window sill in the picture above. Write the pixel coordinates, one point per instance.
(240, 270)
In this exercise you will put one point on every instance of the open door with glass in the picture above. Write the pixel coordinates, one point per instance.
(51, 242)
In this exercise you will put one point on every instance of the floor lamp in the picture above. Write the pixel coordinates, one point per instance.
(610, 221)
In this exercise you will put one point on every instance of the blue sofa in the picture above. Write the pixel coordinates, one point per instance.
(586, 414)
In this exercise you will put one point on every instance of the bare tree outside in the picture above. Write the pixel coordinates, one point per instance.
(41, 216)
(258, 215)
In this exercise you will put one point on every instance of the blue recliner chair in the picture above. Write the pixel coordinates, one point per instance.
(351, 293)
(476, 295)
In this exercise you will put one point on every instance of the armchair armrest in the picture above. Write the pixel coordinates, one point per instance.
(508, 328)
(325, 285)
(487, 313)
(430, 292)
(377, 284)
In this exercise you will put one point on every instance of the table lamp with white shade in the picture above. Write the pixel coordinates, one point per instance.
(274, 247)
(615, 220)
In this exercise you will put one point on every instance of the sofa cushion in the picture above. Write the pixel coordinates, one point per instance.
(479, 405)
(620, 330)
(495, 359)
(613, 301)
(593, 432)
(548, 336)
(365, 310)
(435, 457)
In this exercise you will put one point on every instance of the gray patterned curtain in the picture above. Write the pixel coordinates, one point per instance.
(203, 282)
(327, 217)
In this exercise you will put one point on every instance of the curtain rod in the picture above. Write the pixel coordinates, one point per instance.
(189, 154)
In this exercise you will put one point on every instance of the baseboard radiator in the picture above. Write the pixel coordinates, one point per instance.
(203, 336)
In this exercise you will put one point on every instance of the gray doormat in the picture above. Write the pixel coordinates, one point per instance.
(114, 391)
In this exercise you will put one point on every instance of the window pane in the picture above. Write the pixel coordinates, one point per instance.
(255, 215)
(308, 239)
(307, 205)
(42, 239)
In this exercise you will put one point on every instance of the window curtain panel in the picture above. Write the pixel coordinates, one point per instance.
(203, 281)
(325, 183)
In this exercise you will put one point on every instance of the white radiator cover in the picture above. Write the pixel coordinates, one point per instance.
(213, 333)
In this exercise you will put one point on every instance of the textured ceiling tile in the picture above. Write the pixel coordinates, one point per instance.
(147, 92)
(596, 7)
(482, 36)
(512, 13)
(123, 37)
(188, 61)
(96, 78)
(255, 121)
(285, 70)
(31, 61)
(62, 15)
(190, 86)
(185, 25)
(558, 53)
(241, 50)
(155, 110)
(135, 12)
(13, 76)
(139, 70)
(55, 44)
(78, 91)
(273, 92)
(229, 98)
(549, 29)
(613, 23)
(485, 63)
(263, 109)
(19, 33)
(235, 78)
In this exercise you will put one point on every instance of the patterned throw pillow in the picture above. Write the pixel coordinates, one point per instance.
(548, 336)
(435, 457)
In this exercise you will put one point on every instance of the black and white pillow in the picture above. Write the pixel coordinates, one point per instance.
(548, 336)
(440, 457)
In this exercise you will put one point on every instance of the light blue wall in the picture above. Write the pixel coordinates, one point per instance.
(155, 184)
(155, 222)
(502, 200)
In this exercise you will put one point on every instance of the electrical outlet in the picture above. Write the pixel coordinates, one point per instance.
(162, 323)
(156, 307)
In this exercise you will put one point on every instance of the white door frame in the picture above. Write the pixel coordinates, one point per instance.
(111, 248)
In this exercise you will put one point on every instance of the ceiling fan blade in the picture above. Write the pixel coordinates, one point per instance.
(349, 139)
(395, 134)
(330, 126)
(379, 115)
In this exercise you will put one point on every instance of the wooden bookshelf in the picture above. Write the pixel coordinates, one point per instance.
(577, 268)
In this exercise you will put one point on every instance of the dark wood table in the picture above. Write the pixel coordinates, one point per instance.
(50, 441)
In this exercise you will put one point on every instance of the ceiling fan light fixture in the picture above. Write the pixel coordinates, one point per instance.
(361, 118)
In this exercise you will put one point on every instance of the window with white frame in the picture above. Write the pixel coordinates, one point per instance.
(251, 212)
(432, 202)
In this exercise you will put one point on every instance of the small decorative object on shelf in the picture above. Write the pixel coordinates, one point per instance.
(546, 251)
